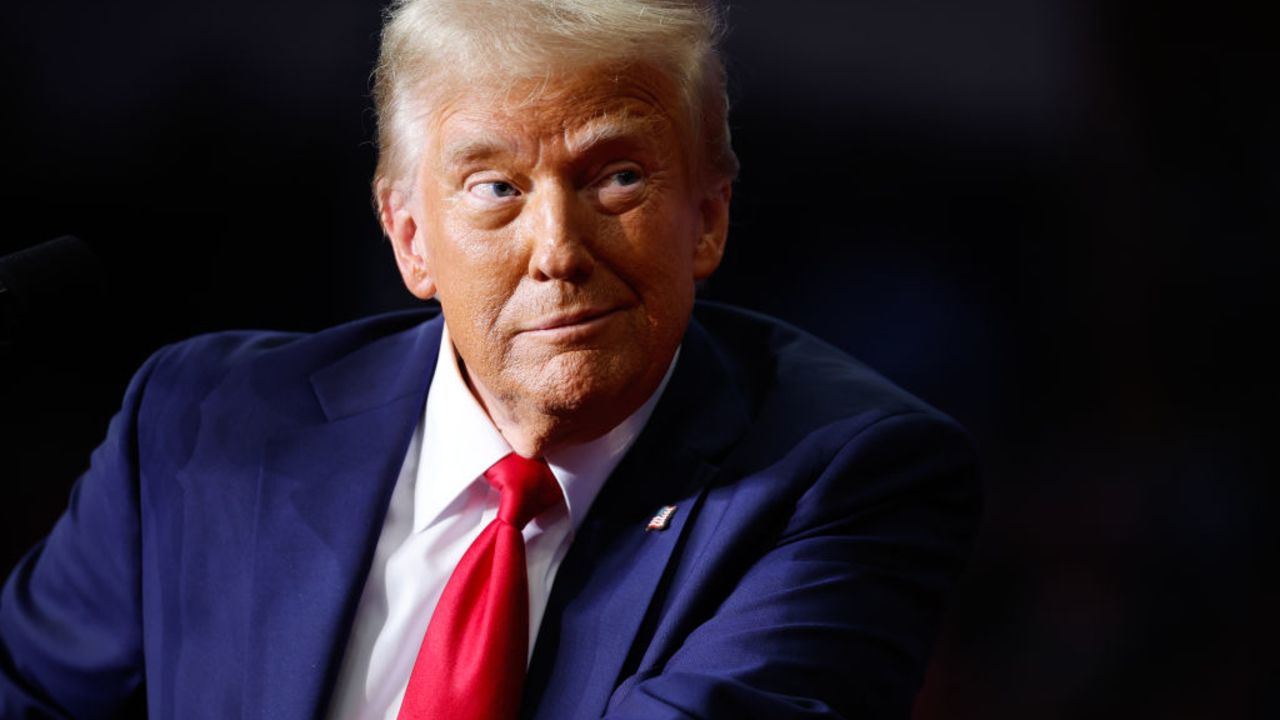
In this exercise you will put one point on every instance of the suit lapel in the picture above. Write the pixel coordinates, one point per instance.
(615, 568)
(323, 493)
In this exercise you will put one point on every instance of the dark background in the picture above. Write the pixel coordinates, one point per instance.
(1050, 218)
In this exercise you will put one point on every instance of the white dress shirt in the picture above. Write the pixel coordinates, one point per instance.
(439, 505)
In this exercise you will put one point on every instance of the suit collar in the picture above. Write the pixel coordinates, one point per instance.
(380, 372)
(707, 410)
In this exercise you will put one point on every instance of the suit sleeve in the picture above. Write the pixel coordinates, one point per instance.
(70, 612)
(835, 619)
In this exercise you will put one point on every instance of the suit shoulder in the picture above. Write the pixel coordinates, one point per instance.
(191, 368)
(838, 432)
(797, 384)
(236, 388)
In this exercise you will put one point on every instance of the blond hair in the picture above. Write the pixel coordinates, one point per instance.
(427, 44)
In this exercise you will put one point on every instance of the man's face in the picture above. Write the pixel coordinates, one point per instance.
(562, 226)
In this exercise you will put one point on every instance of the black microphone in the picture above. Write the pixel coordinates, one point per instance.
(44, 288)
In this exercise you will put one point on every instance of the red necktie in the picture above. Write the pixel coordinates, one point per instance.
(472, 661)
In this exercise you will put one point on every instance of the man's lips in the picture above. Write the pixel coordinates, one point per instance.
(572, 319)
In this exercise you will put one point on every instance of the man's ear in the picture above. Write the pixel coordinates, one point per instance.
(396, 215)
(715, 228)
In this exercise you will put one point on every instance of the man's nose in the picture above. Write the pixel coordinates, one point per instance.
(560, 234)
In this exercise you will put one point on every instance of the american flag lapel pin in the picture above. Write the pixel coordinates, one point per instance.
(661, 520)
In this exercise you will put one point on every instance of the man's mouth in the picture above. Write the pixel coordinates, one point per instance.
(573, 324)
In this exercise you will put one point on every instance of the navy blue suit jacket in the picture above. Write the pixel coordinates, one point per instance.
(212, 557)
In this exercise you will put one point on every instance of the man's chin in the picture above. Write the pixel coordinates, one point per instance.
(593, 385)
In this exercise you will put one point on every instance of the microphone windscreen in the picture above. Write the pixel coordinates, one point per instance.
(45, 285)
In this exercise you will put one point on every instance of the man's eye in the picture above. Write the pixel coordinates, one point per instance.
(495, 189)
(626, 177)
(621, 189)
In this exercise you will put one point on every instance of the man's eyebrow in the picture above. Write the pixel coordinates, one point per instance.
(608, 128)
(472, 150)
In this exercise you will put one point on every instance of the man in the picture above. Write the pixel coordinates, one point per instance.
(573, 495)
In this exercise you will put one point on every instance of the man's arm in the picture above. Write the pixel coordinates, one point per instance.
(837, 619)
(70, 613)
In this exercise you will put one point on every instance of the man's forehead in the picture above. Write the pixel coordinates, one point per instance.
(476, 134)
(580, 109)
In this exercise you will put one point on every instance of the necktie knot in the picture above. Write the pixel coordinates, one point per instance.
(528, 488)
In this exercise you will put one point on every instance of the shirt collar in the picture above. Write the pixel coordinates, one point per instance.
(460, 442)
